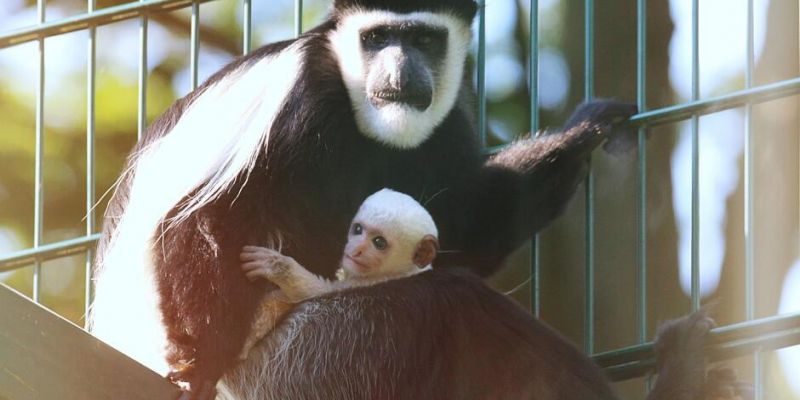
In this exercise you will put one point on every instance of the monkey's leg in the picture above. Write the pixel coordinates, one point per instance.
(296, 282)
(681, 359)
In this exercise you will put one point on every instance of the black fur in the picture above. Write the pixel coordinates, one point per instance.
(308, 184)
(418, 333)
(443, 334)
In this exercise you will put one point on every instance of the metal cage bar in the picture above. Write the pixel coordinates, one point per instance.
(684, 111)
(533, 41)
(247, 29)
(641, 181)
(90, 134)
(481, 71)
(194, 46)
(695, 122)
(80, 22)
(24, 258)
(748, 176)
(298, 17)
(38, 201)
(749, 208)
(142, 95)
(641, 184)
(588, 339)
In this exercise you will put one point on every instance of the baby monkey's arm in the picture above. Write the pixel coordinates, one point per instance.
(296, 282)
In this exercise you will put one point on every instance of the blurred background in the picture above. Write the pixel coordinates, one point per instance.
(722, 56)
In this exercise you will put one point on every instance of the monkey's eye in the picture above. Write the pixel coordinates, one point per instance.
(424, 39)
(357, 229)
(380, 243)
(374, 38)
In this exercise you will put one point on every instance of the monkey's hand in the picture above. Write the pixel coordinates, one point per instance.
(296, 282)
(607, 119)
(681, 358)
(264, 263)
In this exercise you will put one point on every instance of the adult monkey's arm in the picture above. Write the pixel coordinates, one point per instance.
(525, 186)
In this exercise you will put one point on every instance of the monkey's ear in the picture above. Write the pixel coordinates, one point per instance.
(426, 251)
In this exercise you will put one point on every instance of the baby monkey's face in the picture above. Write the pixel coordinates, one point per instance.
(371, 251)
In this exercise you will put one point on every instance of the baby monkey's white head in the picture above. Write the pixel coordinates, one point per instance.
(391, 234)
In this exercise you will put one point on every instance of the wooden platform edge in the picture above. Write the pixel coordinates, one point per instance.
(44, 356)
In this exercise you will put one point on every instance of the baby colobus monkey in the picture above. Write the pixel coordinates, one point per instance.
(392, 236)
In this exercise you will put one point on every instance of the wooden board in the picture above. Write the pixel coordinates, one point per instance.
(44, 357)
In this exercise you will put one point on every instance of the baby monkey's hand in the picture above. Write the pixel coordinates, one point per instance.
(261, 262)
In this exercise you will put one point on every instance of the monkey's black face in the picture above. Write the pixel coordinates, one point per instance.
(403, 72)
(402, 62)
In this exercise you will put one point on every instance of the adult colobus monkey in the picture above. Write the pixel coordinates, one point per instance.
(281, 146)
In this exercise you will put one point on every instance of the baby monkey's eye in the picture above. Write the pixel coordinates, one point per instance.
(380, 243)
(357, 229)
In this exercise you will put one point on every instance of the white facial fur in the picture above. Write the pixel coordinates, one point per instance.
(397, 213)
(394, 124)
(402, 221)
(400, 259)
(363, 260)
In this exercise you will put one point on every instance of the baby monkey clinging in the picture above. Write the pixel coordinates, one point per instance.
(392, 236)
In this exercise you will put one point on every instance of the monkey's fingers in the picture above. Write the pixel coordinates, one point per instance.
(259, 250)
(256, 274)
(254, 265)
(255, 270)
(249, 256)
(263, 256)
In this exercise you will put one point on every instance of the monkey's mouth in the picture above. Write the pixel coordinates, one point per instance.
(359, 266)
(418, 100)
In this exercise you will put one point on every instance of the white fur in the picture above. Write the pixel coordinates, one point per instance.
(399, 214)
(216, 139)
(399, 125)
(404, 222)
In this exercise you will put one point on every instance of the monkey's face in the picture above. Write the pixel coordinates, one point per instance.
(371, 252)
(403, 72)
(402, 60)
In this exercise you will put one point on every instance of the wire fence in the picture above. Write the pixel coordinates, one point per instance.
(749, 337)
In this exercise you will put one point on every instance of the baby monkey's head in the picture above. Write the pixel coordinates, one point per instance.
(391, 234)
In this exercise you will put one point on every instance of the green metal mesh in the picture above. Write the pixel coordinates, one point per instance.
(749, 337)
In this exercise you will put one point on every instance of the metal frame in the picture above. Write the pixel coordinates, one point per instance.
(641, 184)
(749, 337)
